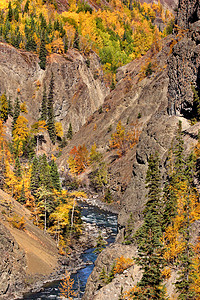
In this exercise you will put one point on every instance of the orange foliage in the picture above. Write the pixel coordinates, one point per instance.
(172, 240)
(196, 273)
(66, 288)
(78, 159)
(122, 264)
(123, 141)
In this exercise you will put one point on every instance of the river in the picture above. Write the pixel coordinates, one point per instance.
(102, 219)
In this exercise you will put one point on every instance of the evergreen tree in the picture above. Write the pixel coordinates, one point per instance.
(50, 112)
(70, 132)
(44, 105)
(128, 238)
(55, 178)
(16, 112)
(35, 181)
(10, 108)
(179, 164)
(17, 168)
(2, 167)
(175, 174)
(10, 12)
(26, 7)
(43, 54)
(185, 279)
(100, 244)
(196, 103)
(22, 197)
(76, 40)
(16, 13)
(149, 235)
(44, 172)
(3, 107)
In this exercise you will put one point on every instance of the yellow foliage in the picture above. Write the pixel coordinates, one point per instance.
(123, 140)
(58, 46)
(122, 264)
(17, 222)
(59, 129)
(23, 108)
(166, 273)
(172, 238)
(66, 288)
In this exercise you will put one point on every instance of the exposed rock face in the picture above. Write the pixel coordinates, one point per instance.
(12, 265)
(188, 12)
(78, 85)
(167, 4)
(95, 286)
(184, 63)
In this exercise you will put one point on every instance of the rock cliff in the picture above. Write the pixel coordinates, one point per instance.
(12, 265)
(184, 63)
(79, 87)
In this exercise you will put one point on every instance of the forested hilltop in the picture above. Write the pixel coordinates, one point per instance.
(117, 31)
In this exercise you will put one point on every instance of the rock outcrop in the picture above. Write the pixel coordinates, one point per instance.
(188, 13)
(79, 89)
(12, 265)
(184, 63)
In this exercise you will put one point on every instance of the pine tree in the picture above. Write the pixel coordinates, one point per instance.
(128, 238)
(26, 7)
(196, 103)
(2, 167)
(34, 181)
(44, 172)
(10, 108)
(76, 40)
(10, 12)
(55, 176)
(3, 107)
(17, 168)
(100, 244)
(179, 164)
(22, 197)
(44, 105)
(50, 112)
(185, 280)
(16, 112)
(149, 235)
(70, 132)
(43, 54)
(175, 174)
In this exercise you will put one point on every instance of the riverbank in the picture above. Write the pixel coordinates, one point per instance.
(96, 202)
(81, 260)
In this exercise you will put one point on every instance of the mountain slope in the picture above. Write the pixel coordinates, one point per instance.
(27, 255)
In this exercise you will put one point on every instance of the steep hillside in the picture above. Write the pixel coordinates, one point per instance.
(28, 255)
(77, 92)
(158, 131)
(136, 101)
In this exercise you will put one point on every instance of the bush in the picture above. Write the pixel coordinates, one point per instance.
(17, 222)
(122, 264)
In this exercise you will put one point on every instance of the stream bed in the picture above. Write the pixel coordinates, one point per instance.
(92, 215)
